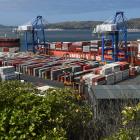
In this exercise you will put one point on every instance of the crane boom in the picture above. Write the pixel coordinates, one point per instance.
(116, 31)
(34, 34)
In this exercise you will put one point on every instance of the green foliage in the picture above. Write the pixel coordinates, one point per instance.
(130, 125)
(25, 114)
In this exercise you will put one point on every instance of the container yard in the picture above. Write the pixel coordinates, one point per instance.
(72, 72)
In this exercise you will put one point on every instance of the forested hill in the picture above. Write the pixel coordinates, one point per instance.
(132, 23)
(75, 25)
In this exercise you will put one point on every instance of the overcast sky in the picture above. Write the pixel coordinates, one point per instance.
(14, 12)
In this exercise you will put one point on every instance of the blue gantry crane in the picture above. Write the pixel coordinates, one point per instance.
(34, 33)
(114, 30)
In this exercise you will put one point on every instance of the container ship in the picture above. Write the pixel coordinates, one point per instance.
(92, 50)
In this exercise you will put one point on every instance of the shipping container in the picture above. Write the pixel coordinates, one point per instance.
(110, 79)
(7, 69)
(125, 74)
(106, 70)
(118, 76)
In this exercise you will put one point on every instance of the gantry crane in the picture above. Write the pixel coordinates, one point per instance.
(34, 34)
(114, 30)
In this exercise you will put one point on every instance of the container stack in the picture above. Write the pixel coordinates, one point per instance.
(92, 50)
(9, 45)
(124, 67)
(116, 70)
(69, 70)
(7, 73)
(108, 73)
(92, 79)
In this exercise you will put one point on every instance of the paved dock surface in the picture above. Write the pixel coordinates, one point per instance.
(131, 81)
(39, 82)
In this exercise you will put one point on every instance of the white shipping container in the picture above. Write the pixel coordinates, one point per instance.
(52, 46)
(86, 48)
(58, 49)
(11, 76)
(138, 56)
(77, 43)
(100, 83)
(118, 76)
(115, 67)
(25, 28)
(13, 49)
(16, 48)
(98, 58)
(106, 70)
(125, 74)
(65, 48)
(93, 50)
(137, 69)
(106, 27)
(88, 78)
(139, 48)
(95, 41)
(7, 69)
(94, 46)
(110, 79)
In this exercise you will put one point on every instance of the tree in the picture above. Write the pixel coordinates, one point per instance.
(130, 128)
(26, 113)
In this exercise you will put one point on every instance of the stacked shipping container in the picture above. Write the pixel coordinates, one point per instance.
(9, 45)
(71, 71)
(92, 50)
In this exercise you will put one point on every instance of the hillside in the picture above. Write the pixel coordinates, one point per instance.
(132, 24)
(75, 25)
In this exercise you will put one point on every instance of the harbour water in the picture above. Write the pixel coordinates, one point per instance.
(65, 35)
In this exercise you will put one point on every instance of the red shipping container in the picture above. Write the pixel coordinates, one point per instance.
(132, 72)
(1, 62)
(137, 61)
(79, 49)
(108, 57)
(97, 70)
(85, 43)
(87, 67)
(98, 79)
(72, 48)
(123, 65)
(58, 44)
(5, 49)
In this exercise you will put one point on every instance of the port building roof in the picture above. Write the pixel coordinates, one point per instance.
(116, 91)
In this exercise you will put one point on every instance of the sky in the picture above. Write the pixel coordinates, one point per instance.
(18, 12)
